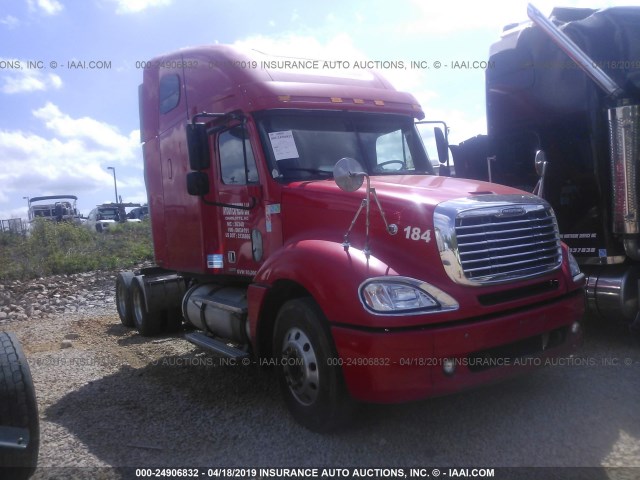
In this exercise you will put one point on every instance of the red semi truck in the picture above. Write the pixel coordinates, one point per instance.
(269, 246)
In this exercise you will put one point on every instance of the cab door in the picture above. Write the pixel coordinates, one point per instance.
(241, 220)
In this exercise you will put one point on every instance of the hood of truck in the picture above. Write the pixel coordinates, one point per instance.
(318, 214)
(320, 210)
(430, 189)
(402, 197)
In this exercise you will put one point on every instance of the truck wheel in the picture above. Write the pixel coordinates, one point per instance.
(173, 319)
(18, 409)
(123, 298)
(147, 323)
(313, 390)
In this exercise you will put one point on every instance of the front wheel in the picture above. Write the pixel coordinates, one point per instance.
(18, 412)
(312, 386)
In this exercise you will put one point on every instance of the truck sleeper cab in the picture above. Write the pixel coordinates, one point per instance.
(269, 244)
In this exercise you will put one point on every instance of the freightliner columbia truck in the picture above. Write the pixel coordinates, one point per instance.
(296, 218)
(568, 89)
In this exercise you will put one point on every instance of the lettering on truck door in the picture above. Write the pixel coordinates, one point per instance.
(241, 229)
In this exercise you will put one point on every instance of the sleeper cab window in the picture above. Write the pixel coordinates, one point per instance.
(169, 92)
(232, 164)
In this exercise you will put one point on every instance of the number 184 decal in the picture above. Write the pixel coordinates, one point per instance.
(416, 234)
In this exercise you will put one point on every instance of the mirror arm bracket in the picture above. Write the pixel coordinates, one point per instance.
(392, 228)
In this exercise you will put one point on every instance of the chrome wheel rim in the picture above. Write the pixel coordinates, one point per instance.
(138, 307)
(300, 366)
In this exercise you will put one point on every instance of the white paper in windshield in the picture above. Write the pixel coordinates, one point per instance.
(283, 144)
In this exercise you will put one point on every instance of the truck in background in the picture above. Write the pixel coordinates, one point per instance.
(269, 247)
(563, 119)
(106, 215)
(62, 208)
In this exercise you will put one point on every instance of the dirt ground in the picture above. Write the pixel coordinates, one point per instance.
(109, 398)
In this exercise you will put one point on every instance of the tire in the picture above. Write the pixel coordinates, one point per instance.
(173, 320)
(314, 391)
(148, 323)
(123, 298)
(18, 409)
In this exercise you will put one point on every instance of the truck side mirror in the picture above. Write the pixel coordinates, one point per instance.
(540, 162)
(442, 145)
(348, 174)
(197, 183)
(198, 146)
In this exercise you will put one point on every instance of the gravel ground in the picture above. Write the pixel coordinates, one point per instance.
(110, 398)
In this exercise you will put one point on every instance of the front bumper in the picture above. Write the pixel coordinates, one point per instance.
(104, 224)
(407, 364)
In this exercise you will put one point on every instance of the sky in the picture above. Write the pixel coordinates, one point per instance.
(62, 125)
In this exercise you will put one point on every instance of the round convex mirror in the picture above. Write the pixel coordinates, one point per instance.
(348, 174)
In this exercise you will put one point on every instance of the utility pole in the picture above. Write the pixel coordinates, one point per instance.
(28, 207)
(115, 184)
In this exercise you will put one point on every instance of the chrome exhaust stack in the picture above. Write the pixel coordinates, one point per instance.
(575, 53)
(624, 130)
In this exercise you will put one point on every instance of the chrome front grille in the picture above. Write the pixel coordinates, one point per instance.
(497, 240)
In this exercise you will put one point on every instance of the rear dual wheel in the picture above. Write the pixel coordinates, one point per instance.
(132, 309)
(123, 298)
(148, 323)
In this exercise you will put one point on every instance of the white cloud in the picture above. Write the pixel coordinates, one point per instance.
(48, 7)
(72, 161)
(21, 78)
(10, 21)
(136, 6)
(88, 130)
(455, 16)
(459, 15)
(299, 46)
(341, 48)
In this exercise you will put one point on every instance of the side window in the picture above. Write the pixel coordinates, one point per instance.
(169, 92)
(232, 163)
(392, 152)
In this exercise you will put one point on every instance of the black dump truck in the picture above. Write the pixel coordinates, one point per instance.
(563, 121)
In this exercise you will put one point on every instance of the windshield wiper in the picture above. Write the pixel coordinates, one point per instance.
(318, 171)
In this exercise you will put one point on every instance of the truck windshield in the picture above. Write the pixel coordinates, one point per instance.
(108, 214)
(307, 144)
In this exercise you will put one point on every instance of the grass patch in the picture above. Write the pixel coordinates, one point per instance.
(63, 248)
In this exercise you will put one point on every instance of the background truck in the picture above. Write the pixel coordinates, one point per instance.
(272, 251)
(109, 214)
(58, 208)
(570, 88)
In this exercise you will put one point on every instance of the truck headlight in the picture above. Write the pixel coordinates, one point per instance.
(403, 295)
(574, 268)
